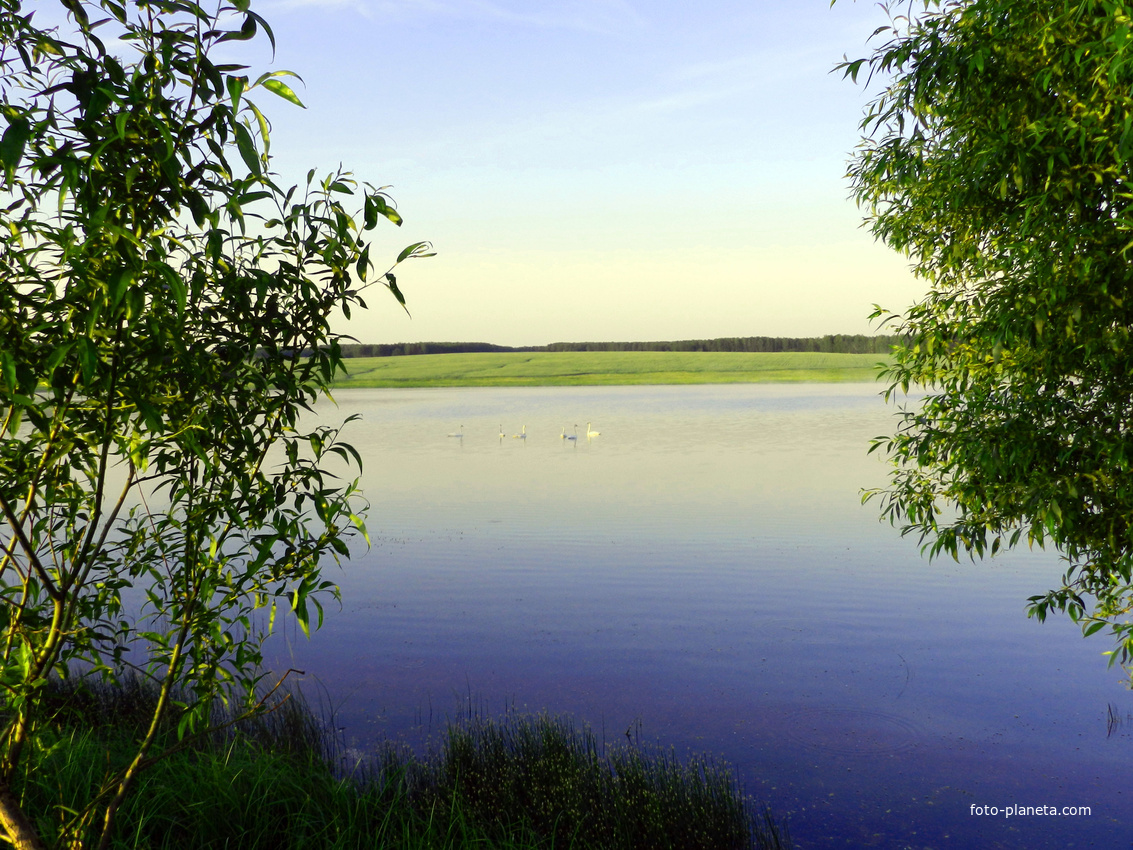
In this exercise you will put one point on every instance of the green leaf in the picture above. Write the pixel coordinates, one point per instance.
(280, 88)
(177, 287)
(55, 358)
(362, 268)
(417, 249)
(236, 87)
(252, 197)
(378, 205)
(13, 142)
(76, 9)
(119, 283)
(391, 284)
(8, 371)
(116, 9)
(48, 46)
(246, 32)
(197, 207)
(299, 607)
(214, 245)
(247, 148)
(88, 358)
(267, 31)
(262, 123)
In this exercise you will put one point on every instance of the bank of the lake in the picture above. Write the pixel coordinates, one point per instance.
(283, 780)
(606, 368)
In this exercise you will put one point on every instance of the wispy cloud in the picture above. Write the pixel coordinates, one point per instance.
(602, 16)
(764, 63)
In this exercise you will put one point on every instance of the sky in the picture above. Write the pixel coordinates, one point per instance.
(595, 169)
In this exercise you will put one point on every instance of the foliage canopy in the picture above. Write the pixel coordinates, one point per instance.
(998, 158)
(165, 319)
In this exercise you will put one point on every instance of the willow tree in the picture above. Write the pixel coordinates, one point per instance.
(165, 319)
(998, 158)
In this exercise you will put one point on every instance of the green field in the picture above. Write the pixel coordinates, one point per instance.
(590, 368)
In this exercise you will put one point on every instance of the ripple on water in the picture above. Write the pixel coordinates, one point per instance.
(851, 731)
(809, 630)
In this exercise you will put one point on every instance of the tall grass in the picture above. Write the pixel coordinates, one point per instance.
(281, 781)
(567, 788)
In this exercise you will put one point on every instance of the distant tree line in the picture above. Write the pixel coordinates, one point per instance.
(829, 344)
(404, 348)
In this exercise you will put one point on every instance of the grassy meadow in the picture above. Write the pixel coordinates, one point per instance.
(591, 368)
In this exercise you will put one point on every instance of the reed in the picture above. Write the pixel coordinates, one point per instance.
(282, 781)
(564, 785)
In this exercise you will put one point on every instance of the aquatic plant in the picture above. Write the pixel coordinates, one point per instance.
(282, 780)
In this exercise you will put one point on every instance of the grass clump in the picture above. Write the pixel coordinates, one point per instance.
(281, 781)
(574, 792)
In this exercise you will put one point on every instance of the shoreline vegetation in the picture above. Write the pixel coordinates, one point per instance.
(285, 780)
(829, 344)
(758, 359)
(598, 368)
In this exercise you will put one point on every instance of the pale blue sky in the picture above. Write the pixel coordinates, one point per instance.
(596, 169)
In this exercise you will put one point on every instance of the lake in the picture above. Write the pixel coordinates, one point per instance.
(704, 575)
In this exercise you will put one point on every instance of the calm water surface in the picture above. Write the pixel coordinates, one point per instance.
(705, 570)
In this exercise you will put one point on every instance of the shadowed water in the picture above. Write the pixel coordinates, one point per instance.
(705, 568)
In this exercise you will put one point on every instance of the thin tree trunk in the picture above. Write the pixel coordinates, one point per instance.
(16, 824)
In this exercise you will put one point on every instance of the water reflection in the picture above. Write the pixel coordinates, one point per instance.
(706, 566)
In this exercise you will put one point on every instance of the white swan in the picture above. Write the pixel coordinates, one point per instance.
(590, 433)
(522, 435)
(502, 434)
(459, 433)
